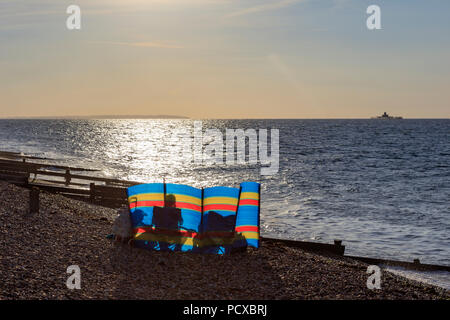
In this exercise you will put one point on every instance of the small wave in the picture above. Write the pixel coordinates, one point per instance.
(436, 278)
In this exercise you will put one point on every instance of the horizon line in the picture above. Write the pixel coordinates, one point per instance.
(177, 117)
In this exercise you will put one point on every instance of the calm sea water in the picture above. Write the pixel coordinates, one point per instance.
(383, 187)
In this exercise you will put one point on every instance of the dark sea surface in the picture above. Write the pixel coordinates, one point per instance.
(382, 186)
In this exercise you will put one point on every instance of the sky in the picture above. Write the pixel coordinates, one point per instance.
(225, 59)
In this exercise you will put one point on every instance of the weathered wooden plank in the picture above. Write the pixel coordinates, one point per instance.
(58, 182)
(108, 196)
(32, 170)
(19, 179)
(310, 246)
(28, 167)
(45, 165)
(9, 153)
(107, 191)
(88, 178)
(14, 173)
(63, 190)
(37, 168)
(407, 265)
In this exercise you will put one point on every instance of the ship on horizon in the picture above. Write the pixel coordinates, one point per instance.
(386, 116)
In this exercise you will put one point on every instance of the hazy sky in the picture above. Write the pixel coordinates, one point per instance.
(225, 58)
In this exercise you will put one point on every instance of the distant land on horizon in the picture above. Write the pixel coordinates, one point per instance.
(162, 116)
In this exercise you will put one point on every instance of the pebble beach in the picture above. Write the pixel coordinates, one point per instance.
(36, 249)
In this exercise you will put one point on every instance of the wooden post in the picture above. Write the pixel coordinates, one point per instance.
(34, 200)
(67, 176)
(165, 193)
(200, 229)
(340, 249)
(92, 192)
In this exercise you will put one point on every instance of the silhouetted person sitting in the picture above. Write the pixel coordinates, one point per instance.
(216, 228)
(166, 219)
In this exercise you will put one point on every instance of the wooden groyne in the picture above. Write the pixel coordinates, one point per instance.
(339, 249)
(336, 248)
(415, 265)
(17, 169)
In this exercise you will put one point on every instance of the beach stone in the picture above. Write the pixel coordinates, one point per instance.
(34, 260)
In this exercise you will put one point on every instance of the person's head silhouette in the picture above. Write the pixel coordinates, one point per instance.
(170, 201)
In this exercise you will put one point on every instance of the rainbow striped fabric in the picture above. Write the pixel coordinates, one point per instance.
(174, 217)
(247, 220)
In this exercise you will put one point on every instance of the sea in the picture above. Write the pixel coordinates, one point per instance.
(380, 186)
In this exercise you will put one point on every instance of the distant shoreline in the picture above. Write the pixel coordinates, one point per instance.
(107, 117)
